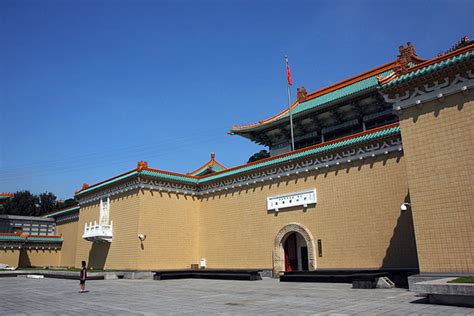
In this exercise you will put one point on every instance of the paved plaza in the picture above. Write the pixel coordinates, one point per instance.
(19, 295)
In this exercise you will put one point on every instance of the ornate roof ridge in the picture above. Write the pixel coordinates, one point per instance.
(298, 151)
(322, 91)
(464, 41)
(171, 173)
(197, 180)
(391, 79)
(85, 187)
(207, 166)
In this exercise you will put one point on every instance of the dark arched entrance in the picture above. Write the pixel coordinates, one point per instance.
(279, 251)
(295, 252)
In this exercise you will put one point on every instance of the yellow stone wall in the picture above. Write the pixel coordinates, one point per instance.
(170, 223)
(10, 257)
(39, 258)
(438, 142)
(357, 217)
(122, 252)
(69, 232)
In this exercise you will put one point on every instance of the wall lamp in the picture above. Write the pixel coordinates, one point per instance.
(142, 237)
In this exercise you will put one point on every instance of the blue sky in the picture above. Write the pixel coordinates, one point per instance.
(88, 88)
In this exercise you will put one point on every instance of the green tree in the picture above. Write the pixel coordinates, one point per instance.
(22, 203)
(262, 154)
(47, 203)
(66, 203)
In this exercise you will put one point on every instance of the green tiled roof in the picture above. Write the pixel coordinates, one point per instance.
(371, 82)
(204, 170)
(44, 239)
(62, 212)
(12, 238)
(128, 175)
(31, 239)
(317, 150)
(356, 87)
(430, 69)
(167, 176)
(267, 163)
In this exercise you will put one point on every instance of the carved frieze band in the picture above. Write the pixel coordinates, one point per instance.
(438, 90)
(345, 157)
(311, 164)
(5, 245)
(117, 189)
(68, 218)
(141, 183)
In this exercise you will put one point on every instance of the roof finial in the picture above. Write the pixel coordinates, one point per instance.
(213, 155)
(301, 93)
(463, 42)
(142, 165)
(404, 58)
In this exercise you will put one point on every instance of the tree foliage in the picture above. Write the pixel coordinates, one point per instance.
(22, 203)
(262, 154)
(27, 204)
(66, 203)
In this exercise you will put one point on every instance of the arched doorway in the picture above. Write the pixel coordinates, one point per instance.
(295, 253)
(293, 250)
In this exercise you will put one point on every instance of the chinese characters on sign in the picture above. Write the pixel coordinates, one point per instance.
(303, 198)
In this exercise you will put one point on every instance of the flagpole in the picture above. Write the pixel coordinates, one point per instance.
(289, 106)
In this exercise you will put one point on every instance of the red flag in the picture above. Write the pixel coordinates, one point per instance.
(288, 72)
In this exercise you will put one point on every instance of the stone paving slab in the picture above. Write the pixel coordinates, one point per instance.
(21, 296)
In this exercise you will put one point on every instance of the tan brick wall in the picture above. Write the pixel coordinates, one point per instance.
(357, 217)
(87, 213)
(122, 252)
(69, 232)
(10, 257)
(439, 149)
(39, 258)
(169, 222)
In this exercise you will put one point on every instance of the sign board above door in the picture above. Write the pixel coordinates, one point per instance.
(303, 198)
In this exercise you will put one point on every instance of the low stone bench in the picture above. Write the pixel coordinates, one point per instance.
(244, 275)
(366, 281)
(359, 280)
(441, 292)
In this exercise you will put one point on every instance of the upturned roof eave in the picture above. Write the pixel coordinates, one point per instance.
(428, 66)
(210, 165)
(318, 93)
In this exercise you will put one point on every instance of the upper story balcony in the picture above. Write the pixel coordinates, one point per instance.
(97, 232)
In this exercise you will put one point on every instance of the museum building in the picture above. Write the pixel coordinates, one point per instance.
(381, 176)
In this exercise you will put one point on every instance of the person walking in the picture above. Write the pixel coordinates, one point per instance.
(83, 277)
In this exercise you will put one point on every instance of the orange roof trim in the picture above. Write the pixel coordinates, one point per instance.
(208, 166)
(252, 163)
(428, 62)
(325, 90)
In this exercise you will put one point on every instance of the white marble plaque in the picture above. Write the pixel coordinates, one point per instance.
(303, 198)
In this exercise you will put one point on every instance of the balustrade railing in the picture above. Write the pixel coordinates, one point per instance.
(97, 232)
